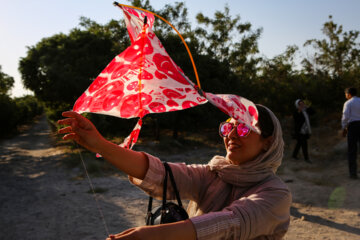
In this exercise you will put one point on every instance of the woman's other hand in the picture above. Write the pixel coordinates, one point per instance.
(81, 130)
(174, 231)
(132, 233)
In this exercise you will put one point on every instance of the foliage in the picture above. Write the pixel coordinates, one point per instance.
(277, 75)
(15, 112)
(338, 53)
(59, 68)
(334, 65)
(8, 116)
(228, 40)
(27, 108)
(6, 82)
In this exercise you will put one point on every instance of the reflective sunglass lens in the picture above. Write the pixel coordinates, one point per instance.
(225, 129)
(242, 130)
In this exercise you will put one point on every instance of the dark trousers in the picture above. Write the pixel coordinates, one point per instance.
(353, 137)
(301, 143)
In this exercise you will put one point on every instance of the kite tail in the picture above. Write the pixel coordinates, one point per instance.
(130, 141)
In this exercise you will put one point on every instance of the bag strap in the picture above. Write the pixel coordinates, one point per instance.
(168, 171)
(149, 214)
(164, 186)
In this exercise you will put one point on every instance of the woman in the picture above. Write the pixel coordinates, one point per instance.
(233, 197)
(302, 128)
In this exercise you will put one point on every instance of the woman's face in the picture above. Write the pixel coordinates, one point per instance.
(243, 149)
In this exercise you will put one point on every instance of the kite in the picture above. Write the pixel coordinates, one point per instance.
(144, 79)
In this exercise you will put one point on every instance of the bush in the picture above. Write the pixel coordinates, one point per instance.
(8, 116)
(28, 107)
(15, 112)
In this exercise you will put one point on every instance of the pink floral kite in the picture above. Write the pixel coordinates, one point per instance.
(144, 79)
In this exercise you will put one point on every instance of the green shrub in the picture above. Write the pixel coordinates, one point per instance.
(15, 112)
(8, 116)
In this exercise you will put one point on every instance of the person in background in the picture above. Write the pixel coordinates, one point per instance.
(350, 123)
(302, 128)
(237, 196)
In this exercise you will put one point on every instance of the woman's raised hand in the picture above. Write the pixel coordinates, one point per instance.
(81, 130)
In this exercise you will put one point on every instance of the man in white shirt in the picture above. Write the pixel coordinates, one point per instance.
(351, 127)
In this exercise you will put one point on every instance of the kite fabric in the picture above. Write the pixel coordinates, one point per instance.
(236, 107)
(141, 80)
(144, 79)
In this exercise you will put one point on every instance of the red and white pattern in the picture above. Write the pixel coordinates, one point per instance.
(135, 21)
(239, 108)
(130, 141)
(144, 79)
(141, 80)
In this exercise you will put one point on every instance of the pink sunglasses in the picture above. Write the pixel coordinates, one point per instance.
(241, 129)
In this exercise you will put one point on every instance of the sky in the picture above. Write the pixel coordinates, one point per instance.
(284, 22)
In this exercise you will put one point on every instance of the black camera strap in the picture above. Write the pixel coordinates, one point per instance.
(173, 183)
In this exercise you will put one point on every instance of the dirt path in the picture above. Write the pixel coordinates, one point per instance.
(40, 199)
(326, 203)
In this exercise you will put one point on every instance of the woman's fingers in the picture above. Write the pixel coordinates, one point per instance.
(65, 130)
(82, 121)
(80, 129)
(71, 136)
(76, 121)
(72, 114)
(77, 116)
(66, 121)
(123, 235)
(73, 125)
(125, 232)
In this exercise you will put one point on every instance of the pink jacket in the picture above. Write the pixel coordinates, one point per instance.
(261, 211)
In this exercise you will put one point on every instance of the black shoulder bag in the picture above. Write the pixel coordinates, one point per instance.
(168, 212)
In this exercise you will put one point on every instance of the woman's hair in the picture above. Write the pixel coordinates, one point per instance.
(265, 122)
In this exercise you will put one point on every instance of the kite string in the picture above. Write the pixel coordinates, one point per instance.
(93, 192)
(181, 37)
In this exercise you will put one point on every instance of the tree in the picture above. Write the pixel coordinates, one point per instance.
(278, 83)
(229, 40)
(58, 69)
(14, 111)
(6, 83)
(338, 53)
(334, 64)
(233, 44)
(175, 13)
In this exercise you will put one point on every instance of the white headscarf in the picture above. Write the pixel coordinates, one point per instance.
(265, 164)
(297, 103)
(245, 175)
